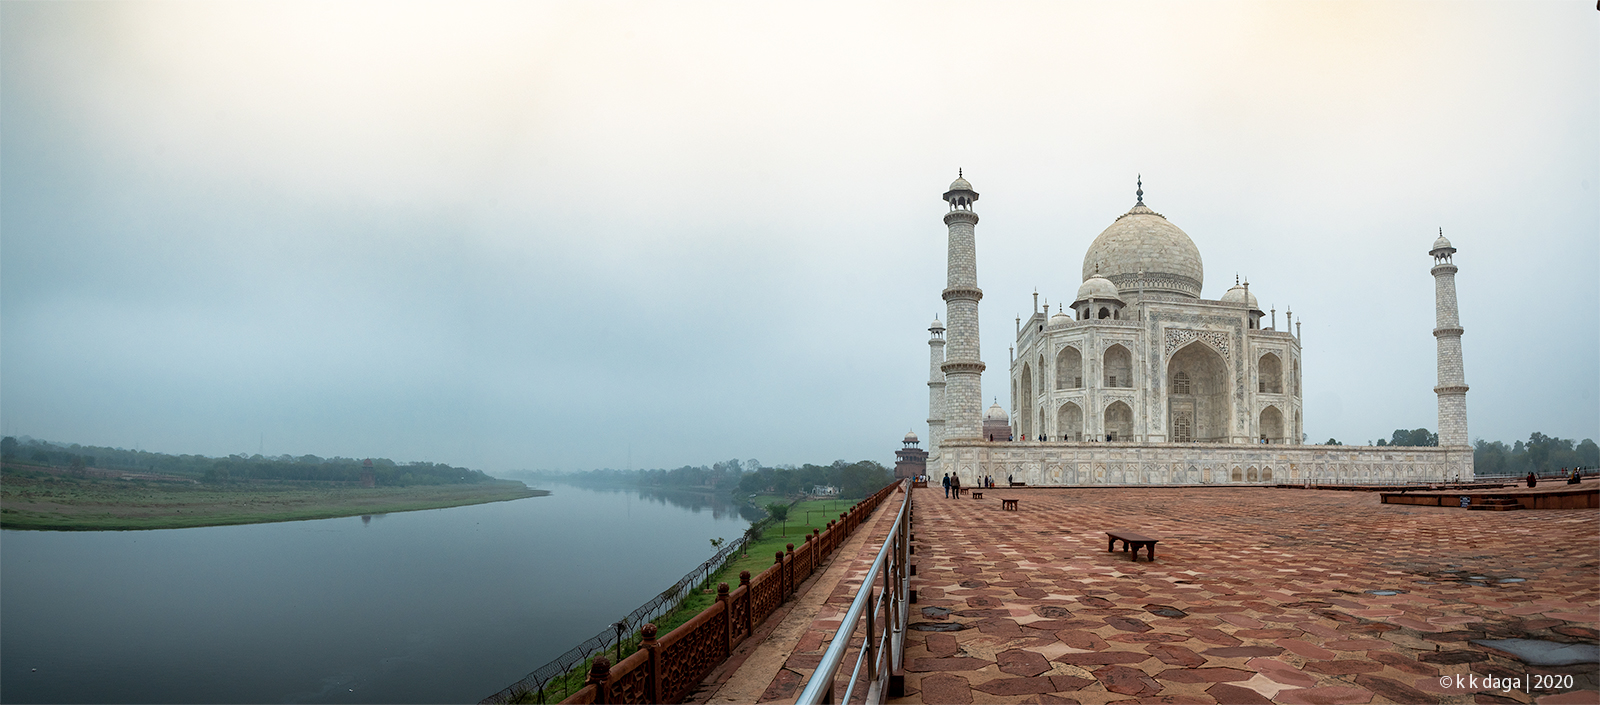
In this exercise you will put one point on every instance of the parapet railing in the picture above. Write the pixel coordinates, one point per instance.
(668, 668)
(881, 649)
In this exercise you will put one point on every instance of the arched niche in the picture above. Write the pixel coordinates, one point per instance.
(1205, 402)
(1119, 422)
(1069, 422)
(1269, 370)
(1025, 404)
(1118, 367)
(1069, 368)
(1272, 425)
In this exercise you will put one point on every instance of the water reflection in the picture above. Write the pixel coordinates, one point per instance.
(722, 505)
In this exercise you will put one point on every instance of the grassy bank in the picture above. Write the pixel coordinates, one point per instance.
(758, 556)
(43, 501)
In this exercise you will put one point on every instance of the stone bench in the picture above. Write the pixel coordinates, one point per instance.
(1008, 505)
(1132, 540)
(977, 495)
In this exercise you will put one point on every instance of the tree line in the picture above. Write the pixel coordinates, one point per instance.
(748, 477)
(238, 467)
(1540, 454)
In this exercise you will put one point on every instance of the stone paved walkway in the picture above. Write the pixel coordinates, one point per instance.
(1257, 595)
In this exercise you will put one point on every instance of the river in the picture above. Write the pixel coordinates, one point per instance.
(443, 605)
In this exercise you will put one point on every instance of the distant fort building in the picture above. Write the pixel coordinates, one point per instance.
(1145, 382)
(910, 461)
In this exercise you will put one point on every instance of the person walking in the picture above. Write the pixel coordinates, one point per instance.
(947, 485)
(955, 486)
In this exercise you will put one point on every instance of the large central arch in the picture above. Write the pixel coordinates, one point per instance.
(1199, 395)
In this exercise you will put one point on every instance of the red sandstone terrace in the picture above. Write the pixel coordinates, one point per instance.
(1258, 596)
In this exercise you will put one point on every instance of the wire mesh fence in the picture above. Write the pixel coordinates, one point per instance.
(548, 683)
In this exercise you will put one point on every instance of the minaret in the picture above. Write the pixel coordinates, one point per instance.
(935, 387)
(1452, 389)
(963, 371)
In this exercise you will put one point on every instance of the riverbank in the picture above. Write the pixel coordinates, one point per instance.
(40, 501)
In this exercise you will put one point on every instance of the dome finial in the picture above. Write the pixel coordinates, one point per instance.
(1140, 192)
(959, 175)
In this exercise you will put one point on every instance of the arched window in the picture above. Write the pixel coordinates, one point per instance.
(1296, 380)
(1069, 368)
(1105, 312)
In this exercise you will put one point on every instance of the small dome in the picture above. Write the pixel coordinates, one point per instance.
(995, 413)
(1240, 294)
(911, 437)
(936, 325)
(1097, 287)
(1441, 244)
(1060, 318)
(960, 184)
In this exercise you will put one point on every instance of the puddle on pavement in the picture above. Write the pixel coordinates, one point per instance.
(1385, 592)
(1538, 652)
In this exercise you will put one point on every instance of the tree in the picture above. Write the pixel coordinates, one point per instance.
(1588, 453)
(1333, 442)
(779, 512)
(8, 446)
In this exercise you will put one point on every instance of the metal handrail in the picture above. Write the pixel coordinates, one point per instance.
(889, 608)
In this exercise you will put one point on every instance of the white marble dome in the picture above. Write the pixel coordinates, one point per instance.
(995, 413)
(1142, 240)
(960, 184)
(911, 437)
(1060, 318)
(1442, 243)
(1097, 287)
(1240, 294)
(936, 325)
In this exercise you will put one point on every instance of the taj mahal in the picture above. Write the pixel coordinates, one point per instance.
(1140, 380)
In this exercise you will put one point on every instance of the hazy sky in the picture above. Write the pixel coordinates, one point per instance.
(550, 235)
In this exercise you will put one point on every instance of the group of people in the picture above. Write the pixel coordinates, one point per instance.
(1574, 476)
(952, 484)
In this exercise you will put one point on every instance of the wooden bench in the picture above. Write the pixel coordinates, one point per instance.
(1132, 540)
(977, 495)
(1008, 504)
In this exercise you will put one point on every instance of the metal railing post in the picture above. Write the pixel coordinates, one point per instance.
(871, 645)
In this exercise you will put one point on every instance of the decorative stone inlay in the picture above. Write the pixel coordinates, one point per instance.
(1177, 338)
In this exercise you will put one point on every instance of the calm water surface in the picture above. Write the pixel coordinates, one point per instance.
(445, 605)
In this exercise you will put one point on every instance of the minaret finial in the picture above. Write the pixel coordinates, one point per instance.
(959, 175)
(1140, 192)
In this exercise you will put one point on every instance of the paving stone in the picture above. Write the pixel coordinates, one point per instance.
(1082, 640)
(1174, 655)
(1403, 663)
(1126, 680)
(1225, 693)
(960, 663)
(785, 686)
(1020, 662)
(942, 645)
(1343, 667)
(1016, 686)
(1330, 695)
(1100, 658)
(942, 688)
(1453, 657)
(1204, 675)
(1243, 651)
(1394, 690)
(1306, 649)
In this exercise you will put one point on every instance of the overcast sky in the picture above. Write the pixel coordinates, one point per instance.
(578, 235)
